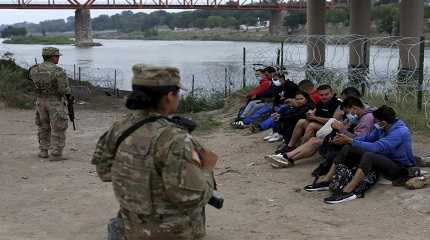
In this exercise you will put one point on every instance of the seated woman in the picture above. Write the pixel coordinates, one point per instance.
(357, 114)
(289, 117)
(387, 150)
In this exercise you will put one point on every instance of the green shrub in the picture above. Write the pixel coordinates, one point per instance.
(15, 88)
(201, 102)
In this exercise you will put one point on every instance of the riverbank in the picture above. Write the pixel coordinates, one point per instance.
(44, 40)
(213, 35)
(332, 38)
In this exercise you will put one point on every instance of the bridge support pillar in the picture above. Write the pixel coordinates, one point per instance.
(359, 47)
(315, 12)
(276, 23)
(83, 35)
(411, 30)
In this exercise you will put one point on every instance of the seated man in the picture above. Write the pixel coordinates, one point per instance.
(387, 150)
(256, 97)
(359, 122)
(307, 128)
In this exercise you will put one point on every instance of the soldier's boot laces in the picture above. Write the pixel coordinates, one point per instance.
(43, 154)
(57, 155)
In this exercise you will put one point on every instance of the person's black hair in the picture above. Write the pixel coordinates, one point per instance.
(304, 94)
(351, 92)
(306, 83)
(147, 97)
(269, 69)
(385, 113)
(324, 87)
(352, 102)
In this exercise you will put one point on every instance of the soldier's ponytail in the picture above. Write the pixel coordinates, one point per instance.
(147, 97)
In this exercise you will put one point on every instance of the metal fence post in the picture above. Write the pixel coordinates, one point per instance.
(74, 72)
(244, 68)
(278, 57)
(421, 75)
(79, 75)
(282, 55)
(192, 87)
(115, 90)
(225, 82)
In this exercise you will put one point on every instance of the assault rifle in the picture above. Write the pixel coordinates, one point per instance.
(71, 110)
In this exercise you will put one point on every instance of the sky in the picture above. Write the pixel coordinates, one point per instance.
(35, 16)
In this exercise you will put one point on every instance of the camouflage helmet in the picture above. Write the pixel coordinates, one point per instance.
(50, 51)
(156, 76)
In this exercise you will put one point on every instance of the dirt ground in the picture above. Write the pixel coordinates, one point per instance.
(65, 200)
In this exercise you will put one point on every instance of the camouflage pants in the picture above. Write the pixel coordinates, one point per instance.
(52, 123)
(135, 227)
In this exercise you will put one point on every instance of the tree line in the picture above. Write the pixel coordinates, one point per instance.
(386, 18)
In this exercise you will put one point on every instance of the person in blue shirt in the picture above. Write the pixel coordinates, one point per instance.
(387, 150)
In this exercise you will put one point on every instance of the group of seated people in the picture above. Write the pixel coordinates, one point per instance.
(357, 142)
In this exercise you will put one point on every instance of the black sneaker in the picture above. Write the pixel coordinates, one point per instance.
(340, 198)
(321, 186)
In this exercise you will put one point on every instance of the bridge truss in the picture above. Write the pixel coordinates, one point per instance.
(277, 5)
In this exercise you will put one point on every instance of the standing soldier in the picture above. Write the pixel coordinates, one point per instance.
(52, 89)
(162, 177)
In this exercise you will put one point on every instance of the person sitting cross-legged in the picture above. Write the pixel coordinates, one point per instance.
(387, 150)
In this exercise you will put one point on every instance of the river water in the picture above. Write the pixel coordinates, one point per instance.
(206, 60)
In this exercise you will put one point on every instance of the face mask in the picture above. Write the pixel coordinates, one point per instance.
(277, 83)
(352, 118)
(378, 126)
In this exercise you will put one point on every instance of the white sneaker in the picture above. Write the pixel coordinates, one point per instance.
(277, 159)
(269, 136)
(275, 138)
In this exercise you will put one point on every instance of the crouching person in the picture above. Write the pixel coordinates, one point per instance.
(386, 150)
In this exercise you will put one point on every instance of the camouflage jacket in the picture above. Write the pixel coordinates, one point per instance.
(49, 80)
(156, 174)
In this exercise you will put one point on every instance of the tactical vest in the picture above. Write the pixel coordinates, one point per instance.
(44, 78)
(134, 176)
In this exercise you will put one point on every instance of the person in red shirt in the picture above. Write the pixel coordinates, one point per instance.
(309, 87)
(264, 84)
(256, 96)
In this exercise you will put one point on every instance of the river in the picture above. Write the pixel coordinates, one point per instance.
(205, 60)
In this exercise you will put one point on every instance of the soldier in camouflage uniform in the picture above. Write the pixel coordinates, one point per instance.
(162, 177)
(52, 87)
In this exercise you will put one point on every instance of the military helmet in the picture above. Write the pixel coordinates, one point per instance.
(155, 76)
(50, 51)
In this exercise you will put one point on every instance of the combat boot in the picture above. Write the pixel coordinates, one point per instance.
(43, 154)
(57, 155)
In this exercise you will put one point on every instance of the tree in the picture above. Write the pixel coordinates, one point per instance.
(102, 22)
(294, 20)
(57, 25)
(200, 23)
(215, 21)
(11, 31)
(386, 18)
(338, 16)
(231, 22)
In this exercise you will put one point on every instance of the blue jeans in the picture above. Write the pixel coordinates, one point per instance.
(263, 110)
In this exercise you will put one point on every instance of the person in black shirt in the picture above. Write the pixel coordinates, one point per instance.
(315, 119)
